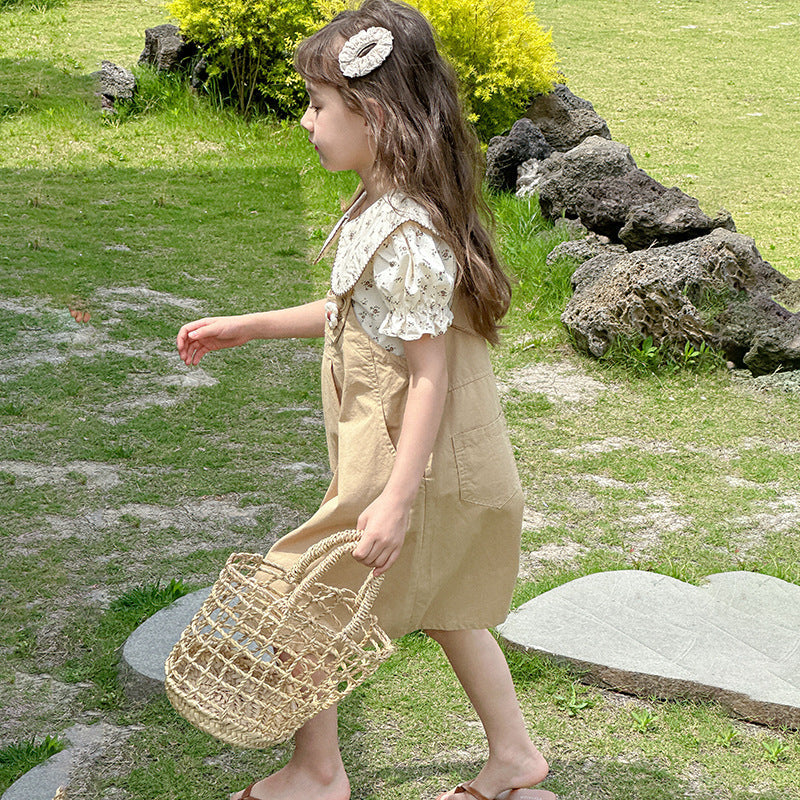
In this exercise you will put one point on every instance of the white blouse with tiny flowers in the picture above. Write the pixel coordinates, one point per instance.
(401, 272)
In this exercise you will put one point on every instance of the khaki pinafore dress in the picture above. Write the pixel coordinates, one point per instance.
(460, 558)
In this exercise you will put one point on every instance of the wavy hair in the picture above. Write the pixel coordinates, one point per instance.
(424, 146)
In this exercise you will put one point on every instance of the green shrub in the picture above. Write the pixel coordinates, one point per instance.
(501, 54)
(252, 41)
(499, 51)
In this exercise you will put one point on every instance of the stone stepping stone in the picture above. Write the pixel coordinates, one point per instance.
(141, 666)
(142, 676)
(86, 744)
(736, 639)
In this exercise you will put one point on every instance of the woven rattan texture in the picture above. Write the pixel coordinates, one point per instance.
(271, 648)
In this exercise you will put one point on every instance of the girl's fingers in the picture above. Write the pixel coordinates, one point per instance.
(366, 552)
(199, 352)
(362, 553)
(388, 562)
(190, 340)
(380, 570)
(201, 333)
(377, 557)
(191, 355)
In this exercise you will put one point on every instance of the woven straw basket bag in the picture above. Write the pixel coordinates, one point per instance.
(270, 648)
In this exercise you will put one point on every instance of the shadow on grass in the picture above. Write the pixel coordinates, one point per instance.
(233, 237)
(30, 86)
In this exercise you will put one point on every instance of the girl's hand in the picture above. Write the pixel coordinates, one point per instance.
(383, 523)
(197, 338)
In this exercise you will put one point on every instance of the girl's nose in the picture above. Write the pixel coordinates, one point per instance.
(305, 120)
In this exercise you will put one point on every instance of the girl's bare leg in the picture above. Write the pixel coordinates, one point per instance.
(481, 668)
(315, 770)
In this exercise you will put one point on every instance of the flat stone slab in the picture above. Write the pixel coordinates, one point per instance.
(736, 639)
(146, 649)
(86, 743)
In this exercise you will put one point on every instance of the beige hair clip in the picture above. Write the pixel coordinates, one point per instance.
(365, 51)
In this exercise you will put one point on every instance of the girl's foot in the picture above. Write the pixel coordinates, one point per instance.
(294, 781)
(500, 774)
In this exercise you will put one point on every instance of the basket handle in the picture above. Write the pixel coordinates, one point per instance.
(327, 562)
(365, 599)
(318, 550)
(368, 592)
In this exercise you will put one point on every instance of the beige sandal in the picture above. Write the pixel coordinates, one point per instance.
(507, 794)
(247, 795)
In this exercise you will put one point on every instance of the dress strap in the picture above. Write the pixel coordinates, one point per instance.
(336, 310)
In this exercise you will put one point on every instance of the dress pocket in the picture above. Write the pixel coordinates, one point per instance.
(487, 472)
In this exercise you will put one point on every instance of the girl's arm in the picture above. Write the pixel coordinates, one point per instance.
(197, 338)
(385, 521)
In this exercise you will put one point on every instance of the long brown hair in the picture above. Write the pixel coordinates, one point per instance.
(425, 148)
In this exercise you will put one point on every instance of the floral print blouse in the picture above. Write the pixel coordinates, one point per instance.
(401, 272)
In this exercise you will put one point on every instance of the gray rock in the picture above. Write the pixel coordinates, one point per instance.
(672, 217)
(576, 229)
(566, 175)
(759, 334)
(581, 250)
(606, 205)
(774, 382)
(146, 649)
(564, 119)
(775, 349)
(505, 154)
(529, 175)
(165, 48)
(599, 183)
(733, 640)
(695, 291)
(116, 82)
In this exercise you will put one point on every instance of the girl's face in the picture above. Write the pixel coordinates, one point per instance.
(340, 136)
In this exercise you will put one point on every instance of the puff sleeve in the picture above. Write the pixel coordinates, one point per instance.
(414, 271)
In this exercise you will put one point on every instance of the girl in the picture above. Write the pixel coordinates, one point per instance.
(420, 456)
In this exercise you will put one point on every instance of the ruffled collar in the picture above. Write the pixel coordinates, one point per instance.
(361, 237)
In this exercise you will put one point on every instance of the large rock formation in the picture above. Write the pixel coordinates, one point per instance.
(599, 183)
(715, 289)
(555, 121)
(654, 265)
(564, 119)
(506, 153)
(165, 48)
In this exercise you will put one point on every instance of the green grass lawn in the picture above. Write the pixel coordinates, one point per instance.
(704, 95)
(121, 467)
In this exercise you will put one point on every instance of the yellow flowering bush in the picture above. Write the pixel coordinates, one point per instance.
(500, 52)
(252, 41)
